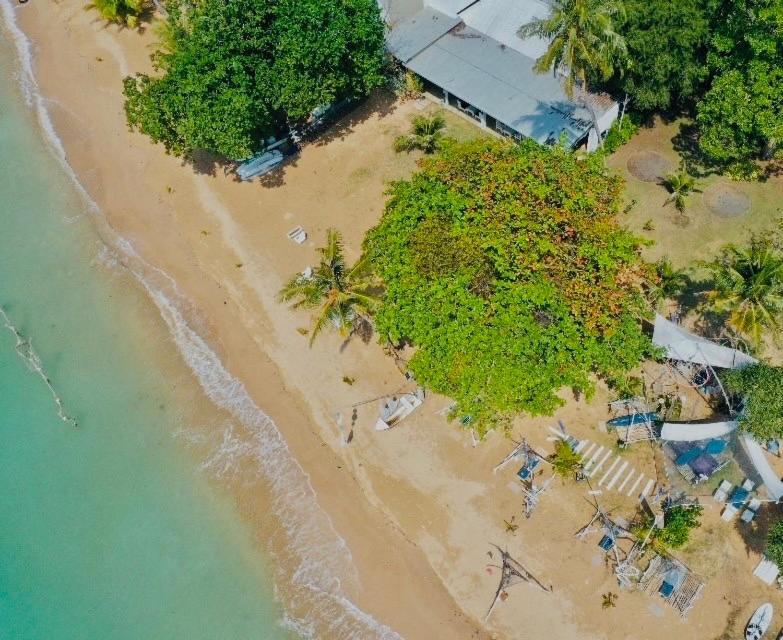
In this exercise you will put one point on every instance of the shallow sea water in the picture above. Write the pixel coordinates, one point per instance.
(108, 529)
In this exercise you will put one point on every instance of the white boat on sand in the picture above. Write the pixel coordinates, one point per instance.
(759, 622)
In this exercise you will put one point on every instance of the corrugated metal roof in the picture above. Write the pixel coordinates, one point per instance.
(449, 7)
(415, 34)
(501, 82)
(500, 20)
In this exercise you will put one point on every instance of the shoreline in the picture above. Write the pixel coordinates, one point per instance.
(57, 137)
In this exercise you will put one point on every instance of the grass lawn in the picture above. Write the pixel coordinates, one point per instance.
(700, 232)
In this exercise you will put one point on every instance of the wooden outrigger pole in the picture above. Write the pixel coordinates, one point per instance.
(512, 572)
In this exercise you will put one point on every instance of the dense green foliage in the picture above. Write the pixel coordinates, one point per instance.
(236, 71)
(677, 525)
(343, 297)
(747, 286)
(582, 40)
(741, 116)
(667, 50)
(504, 265)
(124, 12)
(774, 548)
(761, 386)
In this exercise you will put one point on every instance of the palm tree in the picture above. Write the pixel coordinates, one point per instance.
(671, 281)
(608, 600)
(426, 134)
(124, 12)
(582, 40)
(680, 185)
(748, 287)
(342, 296)
(582, 43)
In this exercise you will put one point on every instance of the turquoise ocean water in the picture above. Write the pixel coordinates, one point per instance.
(108, 530)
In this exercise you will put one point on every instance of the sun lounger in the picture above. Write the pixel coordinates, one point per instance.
(750, 512)
(722, 492)
(729, 512)
(298, 235)
(748, 485)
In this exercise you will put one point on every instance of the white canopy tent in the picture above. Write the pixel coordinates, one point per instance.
(759, 459)
(681, 344)
(693, 431)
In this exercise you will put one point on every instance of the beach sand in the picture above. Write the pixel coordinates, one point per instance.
(418, 506)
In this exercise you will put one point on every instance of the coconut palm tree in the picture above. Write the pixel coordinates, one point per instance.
(341, 296)
(426, 134)
(582, 43)
(680, 185)
(748, 287)
(671, 281)
(124, 12)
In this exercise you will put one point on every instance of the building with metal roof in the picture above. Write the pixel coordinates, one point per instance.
(469, 52)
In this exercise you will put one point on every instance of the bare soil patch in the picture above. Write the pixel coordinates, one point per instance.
(649, 166)
(726, 200)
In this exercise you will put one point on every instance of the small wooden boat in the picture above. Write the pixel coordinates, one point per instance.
(632, 419)
(759, 622)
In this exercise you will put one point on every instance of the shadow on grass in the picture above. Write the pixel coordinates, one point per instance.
(686, 144)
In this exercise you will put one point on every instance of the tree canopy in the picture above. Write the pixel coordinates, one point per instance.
(582, 40)
(741, 116)
(761, 386)
(235, 71)
(667, 52)
(505, 267)
(774, 548)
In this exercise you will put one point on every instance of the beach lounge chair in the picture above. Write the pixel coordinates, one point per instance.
(722, 492)
(729, 512)
(298, 235)
(750, 512)
(748, 485)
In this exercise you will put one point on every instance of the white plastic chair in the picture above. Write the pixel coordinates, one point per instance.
(748, 485)
(748, 515)
(298, 235)
(722, 492)
(729, 512)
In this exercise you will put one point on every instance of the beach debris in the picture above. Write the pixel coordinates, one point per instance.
(298, 235)
(608, 600)
(511, 526)
(512, 572)
(349, 380)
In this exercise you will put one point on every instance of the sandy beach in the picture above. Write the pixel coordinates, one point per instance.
(418, 506)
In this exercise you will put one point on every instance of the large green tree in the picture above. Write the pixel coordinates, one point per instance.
(235, 71)
(741, 116)
(667, 52)
(761, 387)
(505, 267)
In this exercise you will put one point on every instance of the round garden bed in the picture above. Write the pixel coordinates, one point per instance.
(649, 166)
(726, 200)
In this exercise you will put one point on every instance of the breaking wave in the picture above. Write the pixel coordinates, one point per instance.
(313, 595)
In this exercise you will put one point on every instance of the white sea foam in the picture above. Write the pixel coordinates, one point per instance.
(24, 349)
(323, 561)
(316, 605)
(34, 97)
